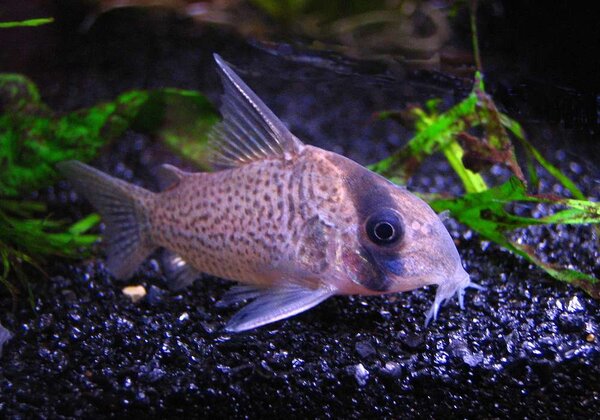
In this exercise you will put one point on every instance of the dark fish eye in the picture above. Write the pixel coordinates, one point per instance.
(384, 231)
(384, 228)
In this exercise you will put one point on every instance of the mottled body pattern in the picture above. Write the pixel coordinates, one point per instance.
(249, 223)
(296, 223)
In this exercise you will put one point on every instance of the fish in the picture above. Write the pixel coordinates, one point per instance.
(291, 223)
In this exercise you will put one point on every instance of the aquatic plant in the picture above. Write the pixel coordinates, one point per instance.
(26, 23)
(484, 209)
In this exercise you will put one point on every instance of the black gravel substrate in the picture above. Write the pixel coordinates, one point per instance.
(526, 346)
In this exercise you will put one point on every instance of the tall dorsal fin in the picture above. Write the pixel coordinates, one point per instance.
(249, 130)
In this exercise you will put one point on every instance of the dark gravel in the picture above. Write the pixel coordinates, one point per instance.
(527, 346)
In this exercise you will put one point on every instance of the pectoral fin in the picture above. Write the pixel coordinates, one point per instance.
(275, 304)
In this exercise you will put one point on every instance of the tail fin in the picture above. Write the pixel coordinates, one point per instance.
(122, 208)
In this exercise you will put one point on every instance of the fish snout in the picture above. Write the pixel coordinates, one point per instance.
(448, 286)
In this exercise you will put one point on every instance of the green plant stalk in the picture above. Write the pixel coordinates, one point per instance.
(26, 23)
(474, 35)
(473, 182)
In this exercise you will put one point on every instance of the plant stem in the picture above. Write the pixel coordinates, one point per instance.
(472, 182)
(474, 35)
(26, 23)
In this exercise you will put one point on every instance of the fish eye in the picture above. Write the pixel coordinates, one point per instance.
(384, 228)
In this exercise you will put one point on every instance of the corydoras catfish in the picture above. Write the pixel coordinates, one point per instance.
(294, 223)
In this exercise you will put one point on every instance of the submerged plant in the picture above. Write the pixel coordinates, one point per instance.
(487, 214)
(485, 209)
(26, 23)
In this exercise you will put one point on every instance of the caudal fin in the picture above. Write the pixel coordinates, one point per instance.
(122, 208)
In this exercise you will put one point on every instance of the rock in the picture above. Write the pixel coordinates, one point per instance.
(361, 374)
(5, 335)
(365, 349)
(393, 369)
(135, 293)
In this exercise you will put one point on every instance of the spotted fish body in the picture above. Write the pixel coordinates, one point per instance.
(296, 224)
(255, 222)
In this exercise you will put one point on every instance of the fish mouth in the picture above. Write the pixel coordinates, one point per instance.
(447, 288)
(460, 277)
(455, 284)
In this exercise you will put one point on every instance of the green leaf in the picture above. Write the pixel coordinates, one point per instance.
(84, 225)
(518, 132)
(434, 132)
(486, 213)
(26, 23)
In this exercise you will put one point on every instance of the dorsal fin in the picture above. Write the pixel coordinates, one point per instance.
(249, 130)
